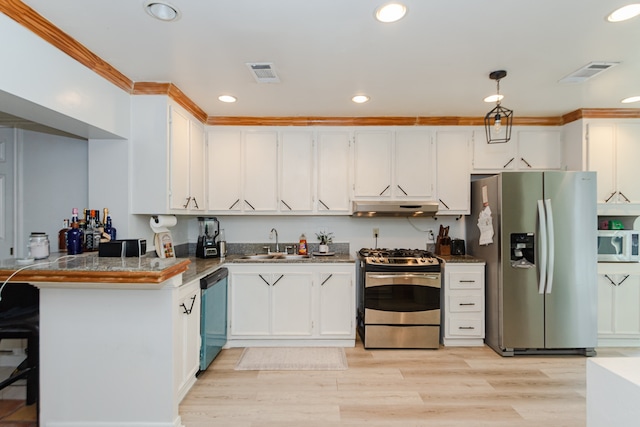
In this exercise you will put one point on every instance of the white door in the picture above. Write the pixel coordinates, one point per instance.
(179, 186)
(196, 166)
(495, 157)
(453, 165)
(7, 145)
(414, 165)
(334, 164)
(296, 183)
(601, 159)
(539, 149)
(260, 171)
(372, 164)
(336, 305)
(224, 173)
(627, 156)
(249, 304)
(291, 296)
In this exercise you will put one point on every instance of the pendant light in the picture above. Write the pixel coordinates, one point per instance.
(498, 122)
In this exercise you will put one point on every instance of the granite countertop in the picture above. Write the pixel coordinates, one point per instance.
(89, 267)
(460, 259)
(199, 267)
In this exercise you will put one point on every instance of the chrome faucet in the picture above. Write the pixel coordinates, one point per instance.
(273, 230)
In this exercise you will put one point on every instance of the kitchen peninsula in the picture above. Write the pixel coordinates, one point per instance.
(108, 339)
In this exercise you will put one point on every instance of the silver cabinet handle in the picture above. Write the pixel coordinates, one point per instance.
(625, 197)
(251, 206)
(264, 280)
(467, 281)
(466, 327)
(401, 189)
(187, 204)
(385, 189)
(195, 202)
(188, 311)
(609, 198)
(467, 303)
(285, 203)
(508, 163)
(281, 276)
(443, 203)
(323, 204)
(525, 162)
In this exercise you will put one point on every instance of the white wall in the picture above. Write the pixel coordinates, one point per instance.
(52, 179)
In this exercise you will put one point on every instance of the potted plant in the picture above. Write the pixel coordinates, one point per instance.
(325, 239)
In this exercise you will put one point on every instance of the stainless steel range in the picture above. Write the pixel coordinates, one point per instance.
(398, 298)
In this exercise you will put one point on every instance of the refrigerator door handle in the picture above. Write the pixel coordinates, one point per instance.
(543, 247)
(550, 244)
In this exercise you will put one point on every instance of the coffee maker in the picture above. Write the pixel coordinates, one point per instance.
(207, 246)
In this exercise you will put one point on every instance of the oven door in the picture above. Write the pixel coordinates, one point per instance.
(402, 298)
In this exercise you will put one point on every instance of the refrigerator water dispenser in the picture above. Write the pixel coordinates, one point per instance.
(523, 250)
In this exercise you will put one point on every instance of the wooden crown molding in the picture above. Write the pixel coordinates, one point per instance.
(29, 18)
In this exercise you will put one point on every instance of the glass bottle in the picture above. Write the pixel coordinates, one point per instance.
(62, 235)
(74, 239)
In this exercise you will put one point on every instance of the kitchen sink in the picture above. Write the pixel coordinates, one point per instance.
(274, 257)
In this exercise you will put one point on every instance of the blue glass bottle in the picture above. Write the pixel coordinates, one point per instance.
(74, 240)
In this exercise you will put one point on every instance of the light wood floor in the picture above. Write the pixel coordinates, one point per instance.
(449, 387)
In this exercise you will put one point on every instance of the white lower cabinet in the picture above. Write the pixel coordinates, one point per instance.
(463, 297)
(187, 322)
(619, 309)
(308, 304)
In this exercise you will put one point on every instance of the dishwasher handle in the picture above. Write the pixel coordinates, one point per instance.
(208, 281)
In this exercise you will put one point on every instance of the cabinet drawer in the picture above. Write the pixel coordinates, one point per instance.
(465, 280)
(465, 303)
(466, 327)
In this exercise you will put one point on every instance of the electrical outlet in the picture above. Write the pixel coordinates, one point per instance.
(376, 232)
(430, 237)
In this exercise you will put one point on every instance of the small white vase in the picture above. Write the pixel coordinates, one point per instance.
(323, 249)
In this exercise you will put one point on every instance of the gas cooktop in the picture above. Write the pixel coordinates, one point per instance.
(398, 256)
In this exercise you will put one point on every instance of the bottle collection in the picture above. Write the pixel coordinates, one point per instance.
(85, 234)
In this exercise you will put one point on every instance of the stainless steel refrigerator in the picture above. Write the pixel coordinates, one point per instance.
(541, 283)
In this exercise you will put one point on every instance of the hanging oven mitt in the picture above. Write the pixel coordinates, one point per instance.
(485, 224)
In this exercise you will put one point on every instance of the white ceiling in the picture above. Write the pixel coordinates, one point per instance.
(434, 62)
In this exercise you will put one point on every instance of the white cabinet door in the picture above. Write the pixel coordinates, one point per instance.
(337, 305)
(619, 306)
(493, 156)
(296, 179)
(334, 166)
(224, 170)
(261, 171)
(627, 157)
(179, 197)
(372, 173)
(539, 149)
(188, 355)
(291, 304)
(601, 159)
(453, 172)
(197, 160)
(249, 304)
(414, 165)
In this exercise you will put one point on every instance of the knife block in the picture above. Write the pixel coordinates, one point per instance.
(443, 245)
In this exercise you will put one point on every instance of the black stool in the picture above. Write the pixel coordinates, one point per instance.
(19, 318)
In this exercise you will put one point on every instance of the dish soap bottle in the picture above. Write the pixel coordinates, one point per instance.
(302, 247)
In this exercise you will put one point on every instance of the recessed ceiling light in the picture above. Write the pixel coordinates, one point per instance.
(631, 99)
(391, 12)
(162, 11)
(493, 98)
(360, 99)
(227, 98)
(626, 12)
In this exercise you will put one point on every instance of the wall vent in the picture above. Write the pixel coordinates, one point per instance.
(585, 73)
(263, 72)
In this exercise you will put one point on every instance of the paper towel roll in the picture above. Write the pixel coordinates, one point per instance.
(161, 223)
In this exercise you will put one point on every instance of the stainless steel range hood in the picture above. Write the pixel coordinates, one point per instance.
(372, 208)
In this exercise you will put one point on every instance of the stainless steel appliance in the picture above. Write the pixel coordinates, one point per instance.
(541, 292)
(618, 246)
(398, 298)
(213, 320)
(208, 245)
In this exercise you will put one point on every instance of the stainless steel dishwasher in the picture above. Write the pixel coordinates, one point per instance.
(213, 321)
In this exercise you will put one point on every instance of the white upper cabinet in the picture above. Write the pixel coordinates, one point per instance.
(334, 167)
(372, 172)
(224, 171)
(296, 174)
(414, 165)
(167, 146)
(261, 171)
(187, 162)
(453, 171)
(528, 149)
(395, 164)
(613, 150)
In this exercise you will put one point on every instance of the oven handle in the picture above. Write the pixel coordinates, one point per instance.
(393, 276)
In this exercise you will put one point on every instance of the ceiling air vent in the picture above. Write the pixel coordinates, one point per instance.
(263, 72)
(585, 73)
